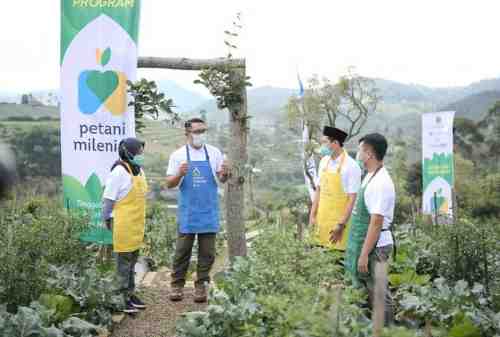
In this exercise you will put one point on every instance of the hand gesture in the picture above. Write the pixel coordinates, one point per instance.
(312, 220)
(363, 264)
(336, 233)
(224, 169)
(183, 169)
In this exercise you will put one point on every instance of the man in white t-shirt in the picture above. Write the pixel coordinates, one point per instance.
(195, 168)
(339, 178)
(370, 239)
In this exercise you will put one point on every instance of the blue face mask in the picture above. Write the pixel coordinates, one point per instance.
(325, 151)
(138, 160)
(361, 164)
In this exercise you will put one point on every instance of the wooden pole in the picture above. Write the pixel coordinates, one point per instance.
(235, 185)
(184, 63)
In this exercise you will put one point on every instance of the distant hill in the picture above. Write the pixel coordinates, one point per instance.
(25, 110)
(400, 107)
(393, 92)
(185, 100)
(475, 106)
(265, 105)
(9, 97)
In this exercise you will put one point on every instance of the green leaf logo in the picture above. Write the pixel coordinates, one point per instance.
(75, 191)
(106, 56)
(94, 188)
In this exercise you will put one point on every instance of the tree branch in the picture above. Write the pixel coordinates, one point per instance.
(182, 63)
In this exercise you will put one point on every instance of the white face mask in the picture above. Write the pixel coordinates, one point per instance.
(199, 139)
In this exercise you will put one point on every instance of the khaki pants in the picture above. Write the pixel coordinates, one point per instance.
(206, 258)
(380, 255)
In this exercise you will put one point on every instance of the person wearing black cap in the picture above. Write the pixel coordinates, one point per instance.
(338, 183)
(124, 212)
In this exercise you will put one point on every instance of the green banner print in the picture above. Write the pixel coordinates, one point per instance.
(441, 165)
(87, 201)
(76, 14)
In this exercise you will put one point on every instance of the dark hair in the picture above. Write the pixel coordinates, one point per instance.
(188, 123)
(127, 149)
(377, 142)
(333, 139)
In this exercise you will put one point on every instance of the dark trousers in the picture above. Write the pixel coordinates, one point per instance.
(183, 250)
(126, 272)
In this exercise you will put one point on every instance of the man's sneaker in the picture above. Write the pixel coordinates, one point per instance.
(129, 308)
(136, 302)
(176, 294)
(200, 294)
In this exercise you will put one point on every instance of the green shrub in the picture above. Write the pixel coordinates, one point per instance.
(160, 235)
(36, 320)
(455, 307)
(94, 292)
(466, 250)
(36, 235)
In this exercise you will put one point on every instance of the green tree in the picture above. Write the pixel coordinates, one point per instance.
(149, 101)
(490, 126)
(346, 104)
(37, 151)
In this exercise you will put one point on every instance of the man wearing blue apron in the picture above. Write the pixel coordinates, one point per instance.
(195, 168)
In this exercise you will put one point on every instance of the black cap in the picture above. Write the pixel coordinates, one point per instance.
(335, 133)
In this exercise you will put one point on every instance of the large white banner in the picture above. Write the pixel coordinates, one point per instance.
(98, 56)
(437, 162)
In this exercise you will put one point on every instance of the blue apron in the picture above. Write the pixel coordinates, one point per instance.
(198, 210)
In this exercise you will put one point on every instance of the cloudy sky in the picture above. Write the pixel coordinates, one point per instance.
(430, 42)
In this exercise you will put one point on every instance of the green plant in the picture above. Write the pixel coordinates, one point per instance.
(95, 293)
(37, 150)
(454, 307)
(160, 236)
(148, 100)
(37, 234)
(37, 321)
(467, 249)
(283, 288)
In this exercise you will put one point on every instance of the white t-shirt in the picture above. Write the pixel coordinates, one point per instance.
(350, 172)
(380, 198)
(118, 184)
(180, 155)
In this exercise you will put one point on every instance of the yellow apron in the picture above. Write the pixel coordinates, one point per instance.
(130, 216)
(333, 202)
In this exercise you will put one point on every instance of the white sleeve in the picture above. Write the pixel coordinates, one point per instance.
(353, 179)
(379, 199)
(116, 182)
(320, 169)
(173, 165)
(219, 158)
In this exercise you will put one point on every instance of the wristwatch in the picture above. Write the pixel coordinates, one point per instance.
(340, 225)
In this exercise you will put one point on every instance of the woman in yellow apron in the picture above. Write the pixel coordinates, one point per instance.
(336, 192)
(124, 211)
